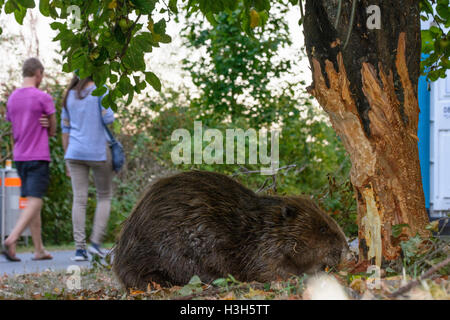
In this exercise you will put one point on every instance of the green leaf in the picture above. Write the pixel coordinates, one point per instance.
(86, 70)
(435, 30)
(165, 39)
(53, 13)
(146, 6)
(134, 58)
(100, 76)
(141, 86)
(130, 98)
(11, 6)
(153, 80)
(221, 282)
(189, 289)
(27, 3)
(264, 16)
(20, 15)
(398, 228)
(160, 27)
(99, 91)
(194, 286)
(232, 278)
(57, 25)
(211, 19)
(118, 34)
(425, 6)
(113, 78)
(173, 6)
(144, 41)
(108, 101)
(115, 66)
(195, 280)
(390, 270)
(66, 68)
(44, 7)
(261, 5)
(124, 85)
(409, 247)
(443, 10)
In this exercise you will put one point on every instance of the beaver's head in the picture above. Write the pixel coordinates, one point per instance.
(313, 239)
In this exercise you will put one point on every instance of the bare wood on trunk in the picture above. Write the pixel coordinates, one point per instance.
(378, 131)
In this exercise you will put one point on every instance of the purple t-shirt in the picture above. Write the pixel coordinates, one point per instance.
(24, 109)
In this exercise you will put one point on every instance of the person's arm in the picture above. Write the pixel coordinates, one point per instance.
(52, 125)
(65, 128)
(48, 118)
(49, 122)
(107, 114)
(65, 141)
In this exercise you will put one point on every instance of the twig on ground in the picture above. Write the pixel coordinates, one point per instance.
(244, 170)
(263, 186)
(273, 177)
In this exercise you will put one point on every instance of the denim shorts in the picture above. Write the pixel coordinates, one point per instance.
(35, 177)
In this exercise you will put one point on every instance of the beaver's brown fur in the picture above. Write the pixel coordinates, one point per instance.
(207, 224)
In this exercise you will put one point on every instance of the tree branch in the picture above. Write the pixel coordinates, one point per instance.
(129, 34)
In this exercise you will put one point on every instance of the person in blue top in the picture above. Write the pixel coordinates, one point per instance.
(86, 147)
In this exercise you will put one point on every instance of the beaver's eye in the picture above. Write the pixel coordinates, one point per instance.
(323, 229)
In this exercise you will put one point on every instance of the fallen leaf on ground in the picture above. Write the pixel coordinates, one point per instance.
(255, 294)
(361, 267)
(136, 292)
(229, 296)
(358, 285)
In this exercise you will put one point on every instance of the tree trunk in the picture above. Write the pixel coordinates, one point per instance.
(369, 90)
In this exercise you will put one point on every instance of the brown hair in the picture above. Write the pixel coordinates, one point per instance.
(30, 66)
(77, 85)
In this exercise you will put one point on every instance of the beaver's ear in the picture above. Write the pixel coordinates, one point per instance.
(288, 212)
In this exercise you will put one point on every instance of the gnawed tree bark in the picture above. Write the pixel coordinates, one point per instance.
(369, 90)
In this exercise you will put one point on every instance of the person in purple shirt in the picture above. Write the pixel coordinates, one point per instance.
(32, 115)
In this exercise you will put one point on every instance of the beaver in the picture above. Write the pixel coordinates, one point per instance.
(207, 224)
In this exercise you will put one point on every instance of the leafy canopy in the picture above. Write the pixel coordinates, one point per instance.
(109, 38)
(435, 41)
(233, 75)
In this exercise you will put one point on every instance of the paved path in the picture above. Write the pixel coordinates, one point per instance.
(61, 260)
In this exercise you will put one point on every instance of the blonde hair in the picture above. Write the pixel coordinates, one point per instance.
(30, 66)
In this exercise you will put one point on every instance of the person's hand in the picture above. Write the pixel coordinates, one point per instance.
(45, 123)
(67, 171)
